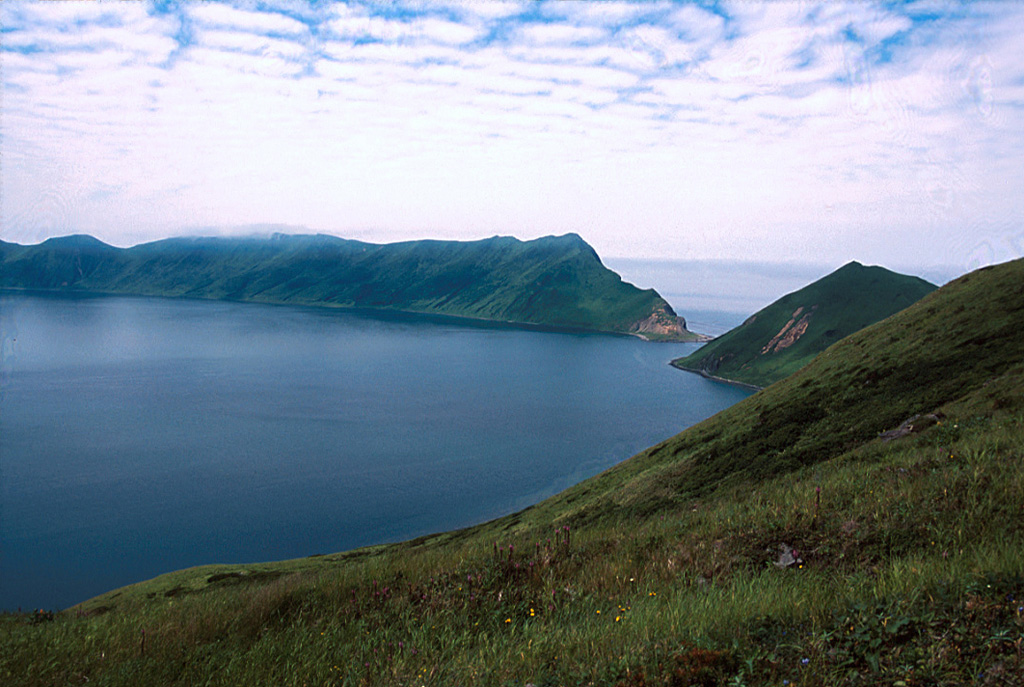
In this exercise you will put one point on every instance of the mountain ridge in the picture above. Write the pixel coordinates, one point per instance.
(781, 338)
(556, 281)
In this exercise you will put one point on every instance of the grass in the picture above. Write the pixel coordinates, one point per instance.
(917, 578)
(904, 562)
(837, 305)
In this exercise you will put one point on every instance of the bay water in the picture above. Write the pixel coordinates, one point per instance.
(144, 435)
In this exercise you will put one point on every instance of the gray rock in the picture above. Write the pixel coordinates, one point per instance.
(788, 557)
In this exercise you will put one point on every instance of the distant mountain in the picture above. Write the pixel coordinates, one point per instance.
(556, 281)
(780, 339)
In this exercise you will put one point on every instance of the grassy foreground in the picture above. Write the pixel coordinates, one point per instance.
(782, 541)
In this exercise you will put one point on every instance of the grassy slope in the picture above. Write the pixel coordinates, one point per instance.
(555, 281)
(660, 570)
(836, 306)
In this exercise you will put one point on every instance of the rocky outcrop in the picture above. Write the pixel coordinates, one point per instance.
(664, 324)
(790, 333)
(912, 425)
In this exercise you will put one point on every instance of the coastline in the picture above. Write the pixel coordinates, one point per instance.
(714, 378)
(697, 338)
(445, 317)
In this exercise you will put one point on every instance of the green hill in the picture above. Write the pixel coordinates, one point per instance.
(857, 523)
(783, 337)
(553, 281)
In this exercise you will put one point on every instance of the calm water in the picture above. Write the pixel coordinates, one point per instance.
(139, 436)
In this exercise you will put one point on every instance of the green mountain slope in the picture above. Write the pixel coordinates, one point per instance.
(783, 337)
(858, 523)
(553, 281)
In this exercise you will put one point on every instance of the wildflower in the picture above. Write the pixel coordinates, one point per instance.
(805, 661)
(508, 620)
(599, 611)
(618, 618)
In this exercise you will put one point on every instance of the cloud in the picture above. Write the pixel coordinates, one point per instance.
(225, 16)
(67, 14)
(609, 14)
(46, 31)
(560, 34)
(447, 32)
(491, 10)
(760, 127)
(268, 64)
(253, 44)
(352, 24)
(696, 24)
(661, 44)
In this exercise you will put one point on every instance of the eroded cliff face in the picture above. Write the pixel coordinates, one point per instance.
(790, 333)
(663, 323)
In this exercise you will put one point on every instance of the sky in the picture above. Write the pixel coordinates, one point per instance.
(784, 132)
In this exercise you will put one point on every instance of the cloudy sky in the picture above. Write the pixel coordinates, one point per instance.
(891, 133)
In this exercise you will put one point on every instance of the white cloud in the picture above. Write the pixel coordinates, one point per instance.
(135, 40)
(696, 24)
(649, 127)
(352, 25)
(560, 34)
(70, 13)
(18, 64)
(474, 12)
(250, 43)
(662, 45)
(609, 13)
(602, 77)
(446, 32)
(361, 26)
(225, 16)
(619, 55)
(269, 65)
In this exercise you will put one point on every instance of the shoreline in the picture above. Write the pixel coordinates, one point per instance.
(698, 338)
(466, 319)
(714, 378)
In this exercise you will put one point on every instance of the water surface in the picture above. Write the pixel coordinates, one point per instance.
(140, 435)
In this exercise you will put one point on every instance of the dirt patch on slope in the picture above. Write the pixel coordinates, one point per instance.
(791, 332)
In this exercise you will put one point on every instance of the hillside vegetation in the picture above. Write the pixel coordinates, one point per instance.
(783, 337)
(553, 281)
(858, 523)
